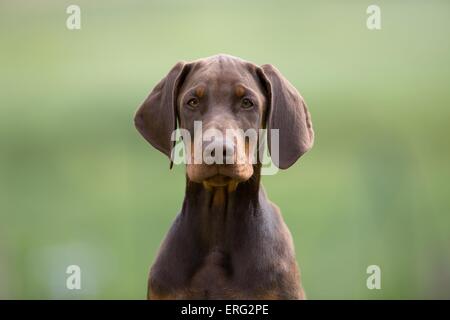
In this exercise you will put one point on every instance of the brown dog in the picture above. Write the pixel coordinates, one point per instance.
(229, 241)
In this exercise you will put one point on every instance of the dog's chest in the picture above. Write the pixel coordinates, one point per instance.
(213, 278)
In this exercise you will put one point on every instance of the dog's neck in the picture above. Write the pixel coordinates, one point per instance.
(214, 212)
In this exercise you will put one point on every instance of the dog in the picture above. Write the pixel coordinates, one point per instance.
(228, 241)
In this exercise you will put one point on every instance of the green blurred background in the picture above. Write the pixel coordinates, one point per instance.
(78, 185)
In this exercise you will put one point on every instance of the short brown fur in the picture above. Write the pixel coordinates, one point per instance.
(228, 241)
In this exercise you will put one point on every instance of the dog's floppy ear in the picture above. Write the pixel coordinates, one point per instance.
(287, 113)
(156, 117)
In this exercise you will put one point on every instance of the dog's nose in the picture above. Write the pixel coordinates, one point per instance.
(222, 152)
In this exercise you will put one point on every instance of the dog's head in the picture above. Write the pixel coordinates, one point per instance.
(220, 102)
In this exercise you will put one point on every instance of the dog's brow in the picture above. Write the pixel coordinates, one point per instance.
(200, 91)
(239, 90)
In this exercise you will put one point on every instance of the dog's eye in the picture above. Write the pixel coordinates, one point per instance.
(193, 102)
(246, 103)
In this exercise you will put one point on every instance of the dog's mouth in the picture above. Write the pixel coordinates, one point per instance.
(219, 175)
(218, 180)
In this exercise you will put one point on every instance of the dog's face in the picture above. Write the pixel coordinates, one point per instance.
(227, 97)
(220, 103)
